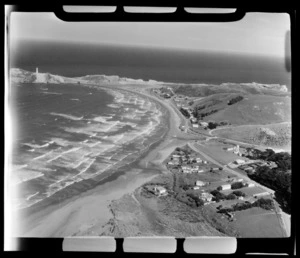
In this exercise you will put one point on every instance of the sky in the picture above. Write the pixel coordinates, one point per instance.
(256, 33)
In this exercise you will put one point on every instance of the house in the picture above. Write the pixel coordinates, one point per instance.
(195, 126)
(196, 187)
(194, 120)
(198, 159)
(204, 161)
(261, 194)
(200, 183)
(225, 187)
(206, 197)
(171, 163)
(230, 149)
(159, 190)
(239, 180)
(204, 124)
(240, 161)
(249, 184)
(176, 156)
(200, 170)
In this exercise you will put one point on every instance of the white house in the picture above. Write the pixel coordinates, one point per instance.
(200, 170)
(194, 120)
(204, 161)
(196, 187)
(195, 126)
(206, 197)
(225, 187)
(200, 183)
(204, 124)
(249, 184)
(160, 190)
(240, 161)
(261, 194)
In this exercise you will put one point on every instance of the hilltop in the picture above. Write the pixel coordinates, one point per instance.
(21, 76)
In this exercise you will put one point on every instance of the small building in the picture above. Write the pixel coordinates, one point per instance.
(240, 161)
(194, 120)
(261, 194)
(200, 170)
(239, 180)
(206, 197)
(203, 124)
(230, 149)
(240, 198)
(225, 187)
(204, 161)
(198, 159)
(200, 183)
(176, 156)
(159, 190)
(196, 187)
(249, 184)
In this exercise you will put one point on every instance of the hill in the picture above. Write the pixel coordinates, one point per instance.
(204, 90)
(251, 109)
(22, 76)
(272, 135)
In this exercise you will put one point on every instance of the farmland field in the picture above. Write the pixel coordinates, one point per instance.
(257, 222)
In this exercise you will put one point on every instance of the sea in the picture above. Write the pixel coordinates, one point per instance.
(69, 138)
(68, 134)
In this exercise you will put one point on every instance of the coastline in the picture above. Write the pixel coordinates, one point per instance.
(76, 215)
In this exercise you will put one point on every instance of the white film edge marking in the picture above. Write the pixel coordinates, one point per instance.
(210, 245)
(89, 244)
(150, 244)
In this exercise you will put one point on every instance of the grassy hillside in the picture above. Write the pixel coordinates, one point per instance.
(207, 90)
(273, 135)
(253, 109)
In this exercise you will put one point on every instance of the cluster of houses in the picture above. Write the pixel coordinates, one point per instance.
(251, 168)
(187, 163)
(228, 186)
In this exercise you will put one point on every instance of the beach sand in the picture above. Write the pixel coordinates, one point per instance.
(88, 213)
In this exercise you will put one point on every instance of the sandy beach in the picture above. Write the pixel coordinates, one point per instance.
(88, 213)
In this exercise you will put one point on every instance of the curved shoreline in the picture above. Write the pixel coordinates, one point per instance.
(58, 219)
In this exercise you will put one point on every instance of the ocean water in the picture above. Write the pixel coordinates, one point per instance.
(69, 134)
(169, 65)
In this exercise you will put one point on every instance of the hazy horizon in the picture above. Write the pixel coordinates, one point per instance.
(256, 33)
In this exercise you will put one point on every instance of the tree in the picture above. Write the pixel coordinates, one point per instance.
(239, 193)
(185, 112)
(231, 196)
(237, 185)
(235, 100)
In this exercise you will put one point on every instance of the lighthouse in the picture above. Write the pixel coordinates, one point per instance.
(37, 72)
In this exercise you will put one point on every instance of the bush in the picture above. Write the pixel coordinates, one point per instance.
(231, 196)
(266, 204)
(239, 193)
(235, 100)
(237, 185)
(185, 112)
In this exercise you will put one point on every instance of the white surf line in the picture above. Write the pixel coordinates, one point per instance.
(30, 196)
(68, 151)
(80, 162)
(42, 156)
(85, 169)
(66, 116)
